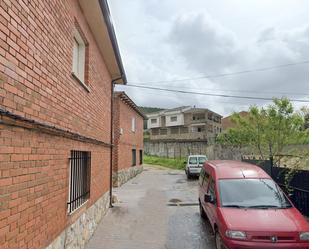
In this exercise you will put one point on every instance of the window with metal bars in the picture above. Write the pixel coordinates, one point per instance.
(134, 157)
(140, 157)
(80, 162)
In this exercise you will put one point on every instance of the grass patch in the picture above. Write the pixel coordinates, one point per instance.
(170, 163)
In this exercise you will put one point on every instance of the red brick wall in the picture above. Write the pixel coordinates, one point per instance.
(36, 44)
(128, 140)
(34, 184)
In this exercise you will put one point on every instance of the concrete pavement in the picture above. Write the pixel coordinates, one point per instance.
(156, 210)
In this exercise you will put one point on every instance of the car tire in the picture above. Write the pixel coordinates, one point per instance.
(218, 240)
(188, 176)
(202, 211)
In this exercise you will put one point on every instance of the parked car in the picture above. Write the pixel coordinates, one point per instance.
(194, 165)
(247, 209)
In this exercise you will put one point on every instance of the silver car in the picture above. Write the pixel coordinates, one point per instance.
(194, 165)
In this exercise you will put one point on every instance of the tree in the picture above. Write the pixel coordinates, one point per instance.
(305, 113)
(268, 129)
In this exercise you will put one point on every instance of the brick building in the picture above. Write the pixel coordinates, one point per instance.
(228, 123)
(58, 60)
(128, 139)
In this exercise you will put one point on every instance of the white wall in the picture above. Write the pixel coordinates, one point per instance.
(180, 120)
(156, 125)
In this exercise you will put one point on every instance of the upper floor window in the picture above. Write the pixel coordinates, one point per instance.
(174, 119)
(133, 128)
(153, 120)
(79, 57)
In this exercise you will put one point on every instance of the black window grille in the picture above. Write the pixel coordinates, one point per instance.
(133, 157)
(140, 156)
(80, 162)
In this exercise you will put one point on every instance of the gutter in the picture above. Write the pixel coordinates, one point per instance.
(112, 143)
(112, 35)
(111, 31)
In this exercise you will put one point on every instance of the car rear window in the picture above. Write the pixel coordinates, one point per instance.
(197, 160)
(202, 159)
(193, 160)
(251, 193)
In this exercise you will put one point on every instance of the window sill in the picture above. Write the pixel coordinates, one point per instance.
(80, 82)
(78, 209)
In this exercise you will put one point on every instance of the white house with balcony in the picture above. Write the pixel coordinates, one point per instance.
(185, 123)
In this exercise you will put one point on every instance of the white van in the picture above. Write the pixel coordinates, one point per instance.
(194, 165)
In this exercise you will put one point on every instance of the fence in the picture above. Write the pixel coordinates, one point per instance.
(299, 184)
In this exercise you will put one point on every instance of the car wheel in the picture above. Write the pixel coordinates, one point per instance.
(188, 176)
(218, 241)
(202, 211)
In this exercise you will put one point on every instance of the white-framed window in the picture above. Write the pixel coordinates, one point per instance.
(79, 54)
(133, 125)
(174, 119)
(153, 120)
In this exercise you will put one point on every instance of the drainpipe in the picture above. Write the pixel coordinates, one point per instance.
(112, 145)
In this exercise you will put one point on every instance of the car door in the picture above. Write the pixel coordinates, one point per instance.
(211, 207)
(203, 190)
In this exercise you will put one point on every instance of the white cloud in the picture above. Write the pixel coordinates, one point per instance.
(180, 39)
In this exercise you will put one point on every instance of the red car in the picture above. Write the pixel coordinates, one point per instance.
(247, 209)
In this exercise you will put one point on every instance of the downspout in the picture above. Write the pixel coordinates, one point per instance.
(112, 145)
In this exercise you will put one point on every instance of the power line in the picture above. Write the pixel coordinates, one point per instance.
(210, 94)
(233, 90)
(226, 74)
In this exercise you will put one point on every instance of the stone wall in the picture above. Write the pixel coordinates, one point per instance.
(77, 234)
(214, 152)
(184, 148)
(125, 175)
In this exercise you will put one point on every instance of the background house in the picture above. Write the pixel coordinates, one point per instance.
(128, 139)
(227, 121)
(57, 63)
(184, 123)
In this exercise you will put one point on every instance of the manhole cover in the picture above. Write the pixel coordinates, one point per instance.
(175, 200)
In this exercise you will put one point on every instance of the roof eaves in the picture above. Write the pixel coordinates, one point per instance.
(126, 99)
(111, 31)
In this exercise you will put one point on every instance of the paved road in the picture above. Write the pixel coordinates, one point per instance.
(156, 210)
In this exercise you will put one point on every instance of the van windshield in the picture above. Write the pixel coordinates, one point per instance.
(252, 193)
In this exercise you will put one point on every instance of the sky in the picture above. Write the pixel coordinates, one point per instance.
(172, 40)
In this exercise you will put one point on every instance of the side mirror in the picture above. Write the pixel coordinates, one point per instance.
(291, 195)
(209, 199)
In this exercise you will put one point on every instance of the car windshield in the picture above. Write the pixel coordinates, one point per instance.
(251, 193)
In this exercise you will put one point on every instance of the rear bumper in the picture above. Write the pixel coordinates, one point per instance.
(194, 171)
(229, 244)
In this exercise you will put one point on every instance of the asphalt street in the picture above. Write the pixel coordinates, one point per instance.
(156, 210)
